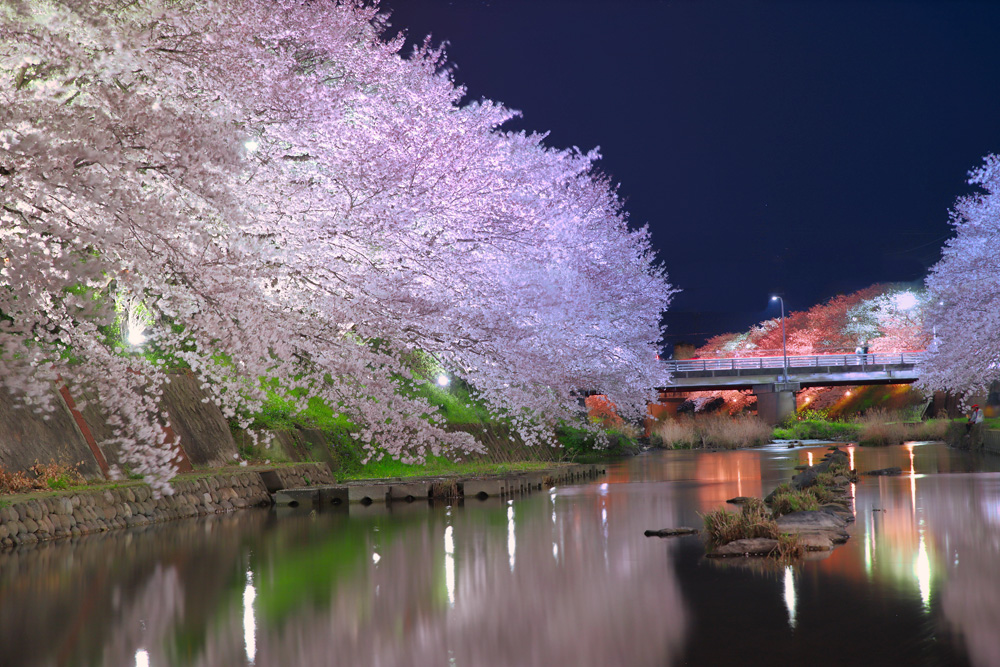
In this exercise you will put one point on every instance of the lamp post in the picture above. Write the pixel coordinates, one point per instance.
(784, 347)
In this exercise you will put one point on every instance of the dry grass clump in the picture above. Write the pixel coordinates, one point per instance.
(789, 547)
(932, 429)
(753, 520)
(880, 428)
(676, 434)
(712, 431)
(51, 475)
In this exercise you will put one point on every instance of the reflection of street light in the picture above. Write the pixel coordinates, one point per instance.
(784, 347)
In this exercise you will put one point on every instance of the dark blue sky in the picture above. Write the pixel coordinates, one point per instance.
(804, 148)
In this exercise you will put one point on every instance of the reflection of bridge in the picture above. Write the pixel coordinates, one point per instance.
(776, 393)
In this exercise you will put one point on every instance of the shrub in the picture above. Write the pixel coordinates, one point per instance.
(791, 500)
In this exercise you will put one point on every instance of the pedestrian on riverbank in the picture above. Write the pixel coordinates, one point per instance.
(975, 417)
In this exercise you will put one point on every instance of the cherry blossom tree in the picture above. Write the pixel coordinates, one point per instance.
(963, 292)
(282, 194)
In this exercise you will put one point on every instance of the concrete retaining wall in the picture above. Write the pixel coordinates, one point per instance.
(26, 437)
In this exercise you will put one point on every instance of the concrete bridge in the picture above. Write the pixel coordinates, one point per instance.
(775, 391)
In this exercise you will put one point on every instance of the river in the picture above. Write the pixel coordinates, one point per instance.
(562, 577)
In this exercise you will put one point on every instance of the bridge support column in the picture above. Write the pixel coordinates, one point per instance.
(776, 401)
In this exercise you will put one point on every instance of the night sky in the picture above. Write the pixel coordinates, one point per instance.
(802, 148)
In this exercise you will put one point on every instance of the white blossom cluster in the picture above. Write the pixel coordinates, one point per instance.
(964, 290)
(289, 197)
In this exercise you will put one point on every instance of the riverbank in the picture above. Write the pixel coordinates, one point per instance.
(39, 516)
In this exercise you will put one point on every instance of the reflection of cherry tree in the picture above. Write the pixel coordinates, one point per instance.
(584, 589)
(148, 618)
(967, 540)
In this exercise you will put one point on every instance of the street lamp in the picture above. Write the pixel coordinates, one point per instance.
(784, 347)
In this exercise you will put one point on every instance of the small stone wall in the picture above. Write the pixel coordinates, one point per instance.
(304, 474)
(83, 512)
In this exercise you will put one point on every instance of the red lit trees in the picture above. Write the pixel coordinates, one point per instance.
(288, 197)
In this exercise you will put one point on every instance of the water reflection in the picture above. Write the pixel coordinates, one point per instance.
(564, 577)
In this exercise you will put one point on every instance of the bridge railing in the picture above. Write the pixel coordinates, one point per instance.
(860, 361)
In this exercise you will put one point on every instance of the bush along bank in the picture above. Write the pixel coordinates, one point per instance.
(809, 513)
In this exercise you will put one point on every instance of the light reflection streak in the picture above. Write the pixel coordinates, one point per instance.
(249, 619)
(922, 570)
(449, 564)
(511, 539)
(141, 658)
(810, 456)
(869, 543)
(790, 595)
(555, 551)
(913, 478)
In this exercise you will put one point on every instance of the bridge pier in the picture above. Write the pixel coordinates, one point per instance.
(776, 400)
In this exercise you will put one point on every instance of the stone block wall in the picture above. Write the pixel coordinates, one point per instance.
(304, 474)
(83, 512)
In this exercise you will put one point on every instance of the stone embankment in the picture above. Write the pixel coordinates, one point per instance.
(72, 513)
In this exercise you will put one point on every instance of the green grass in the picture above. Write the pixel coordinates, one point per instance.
(437, 466)
(818, 429)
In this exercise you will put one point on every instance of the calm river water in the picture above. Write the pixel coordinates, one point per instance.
(564, 577)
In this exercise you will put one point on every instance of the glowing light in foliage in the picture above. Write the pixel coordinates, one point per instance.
(251, 145)
(443, 380)
(136, 335)
(905, 300)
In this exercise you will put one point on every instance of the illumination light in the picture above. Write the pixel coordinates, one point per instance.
(251, 145)
(135, 334)
(905, 300)
(443, 380)
(142, 658)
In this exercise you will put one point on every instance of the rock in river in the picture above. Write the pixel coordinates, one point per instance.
(670, 532)
(758, 546)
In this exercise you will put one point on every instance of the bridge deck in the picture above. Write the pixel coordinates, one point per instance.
(807, 370)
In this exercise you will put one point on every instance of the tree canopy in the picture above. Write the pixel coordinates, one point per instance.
(964, 286)
(270, 189)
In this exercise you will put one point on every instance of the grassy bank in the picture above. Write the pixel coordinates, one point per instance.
(876, 428)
